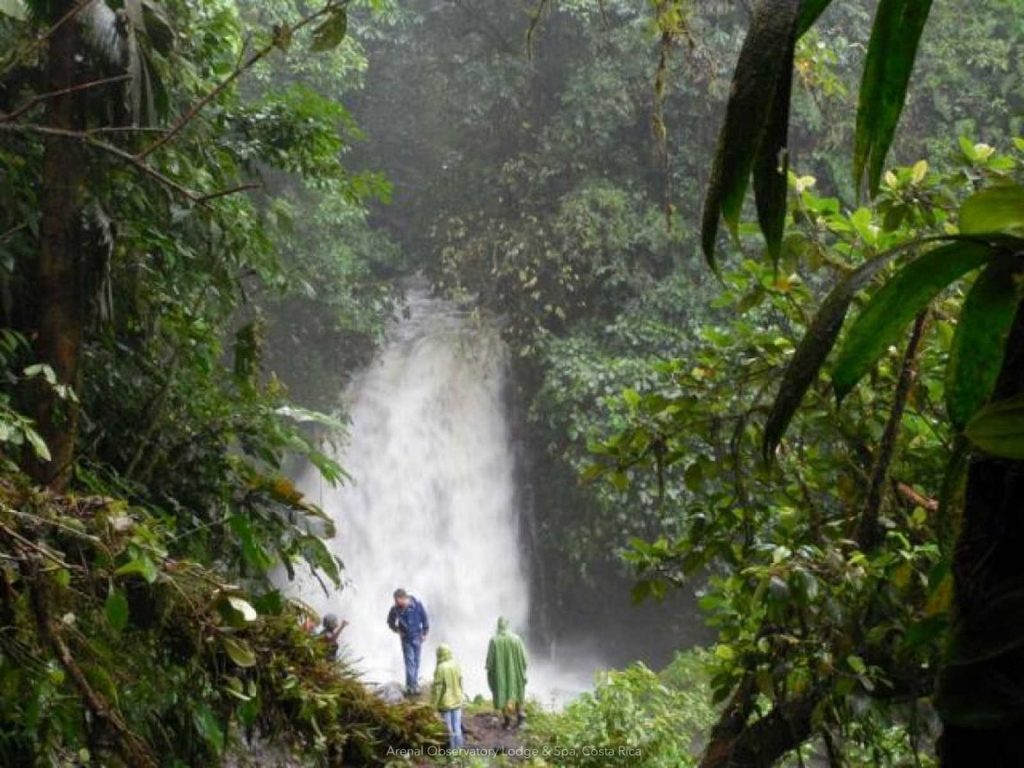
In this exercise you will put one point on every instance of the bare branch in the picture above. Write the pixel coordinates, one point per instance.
(62, 92)
(12, 232)
(867, 529)
(914, 497)
(228, 191)
(145, 168)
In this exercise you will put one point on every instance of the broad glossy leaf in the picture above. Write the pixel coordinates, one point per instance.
(995, 209)
(977, 352)
(892, 308)
(239, 651)
(331, 32)
(14, 8)
(765, 62)
(243, 607)
(771, 165)
(236, 611)
(809, 13)
(814, 348)
(998, 428)
(39, 447)
(891, 52)
(208, 726)
(116, 609)
(142, 566)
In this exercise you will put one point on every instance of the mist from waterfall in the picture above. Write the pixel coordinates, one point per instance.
(432, 503)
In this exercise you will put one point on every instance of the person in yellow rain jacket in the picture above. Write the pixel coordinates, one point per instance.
(448, 694)
(506, 673)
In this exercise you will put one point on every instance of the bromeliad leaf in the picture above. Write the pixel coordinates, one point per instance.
(890, 60)
(994, 210)
(892, 308)
(976, 355)
(998, 429)
(765, 64)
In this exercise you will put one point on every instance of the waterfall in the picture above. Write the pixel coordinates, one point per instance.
(431, 506)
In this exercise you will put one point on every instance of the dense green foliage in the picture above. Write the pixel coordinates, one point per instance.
(140, 625)
(192, 263)
(829, 572)
(632, 717)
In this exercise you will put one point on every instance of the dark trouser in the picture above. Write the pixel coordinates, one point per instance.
(411, 654)
(515, 707)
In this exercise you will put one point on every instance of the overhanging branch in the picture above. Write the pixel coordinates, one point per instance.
(89, 139)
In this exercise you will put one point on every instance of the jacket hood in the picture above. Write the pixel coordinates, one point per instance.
(502, 624)
(444, 653)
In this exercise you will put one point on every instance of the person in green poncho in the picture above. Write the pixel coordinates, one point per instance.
(506, 673)
(448, 694)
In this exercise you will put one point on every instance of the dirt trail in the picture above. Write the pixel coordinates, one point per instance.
(484, 731)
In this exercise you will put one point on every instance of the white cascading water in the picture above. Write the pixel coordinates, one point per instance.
(431, 506)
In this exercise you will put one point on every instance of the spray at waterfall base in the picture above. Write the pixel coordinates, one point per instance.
(432, 504)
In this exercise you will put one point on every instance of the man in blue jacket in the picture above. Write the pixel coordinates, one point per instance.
(409, 619)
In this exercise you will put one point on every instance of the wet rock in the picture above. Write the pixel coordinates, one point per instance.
(392, 693)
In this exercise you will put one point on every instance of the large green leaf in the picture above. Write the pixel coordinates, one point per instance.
(765, 63)
(814, 348)
(996, 209)
(771, 164)
(809, 13)
(116, 609)
(998, 428)
(332, 31)
(890, 60)
(208, 726)
(892, 308)
(14, 8)
(236, 611)
(38, 444)
(977, 352)
(141, 565)
(239, 651)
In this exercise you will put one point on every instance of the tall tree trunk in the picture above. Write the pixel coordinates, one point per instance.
(57, 292)
(981, 689)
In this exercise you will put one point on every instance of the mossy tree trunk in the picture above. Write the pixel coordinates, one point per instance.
(981, 695)
(56, 281)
